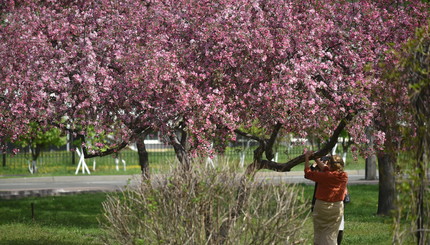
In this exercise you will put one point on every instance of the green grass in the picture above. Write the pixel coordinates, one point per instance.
(57, 220)
(362, 225)
(74, 219)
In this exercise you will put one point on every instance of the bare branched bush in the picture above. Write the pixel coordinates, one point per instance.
(190, 207)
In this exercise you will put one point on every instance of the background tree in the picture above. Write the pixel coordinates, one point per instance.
(413, 69)
(62, 67)
(39, 138)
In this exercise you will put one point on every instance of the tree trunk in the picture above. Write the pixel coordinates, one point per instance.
(72, 148)
(422, 166)
(73, 157)
(371, 167)
(370, 160)
(143, 156)
(387, 187)
(35, 152)
(33, 167)
(180, 151)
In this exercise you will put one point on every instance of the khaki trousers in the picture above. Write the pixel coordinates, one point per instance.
(327, 217)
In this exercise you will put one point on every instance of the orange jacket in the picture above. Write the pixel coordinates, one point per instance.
(331, 184)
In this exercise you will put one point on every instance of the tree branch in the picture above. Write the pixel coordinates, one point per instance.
(105, 152)
(285, 167)
(112, 150)
(250, 136)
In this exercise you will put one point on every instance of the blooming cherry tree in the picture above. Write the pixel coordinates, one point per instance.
(285, 66)
(210, 70)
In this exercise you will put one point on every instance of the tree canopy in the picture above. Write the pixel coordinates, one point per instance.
(208, 68)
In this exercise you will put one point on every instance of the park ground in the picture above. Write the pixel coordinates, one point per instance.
(74, 219)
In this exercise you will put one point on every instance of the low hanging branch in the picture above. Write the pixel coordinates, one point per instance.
(109, 151)
(250, 136)
(105, 152)
(265, 146)
(285, 167)
(112, 150)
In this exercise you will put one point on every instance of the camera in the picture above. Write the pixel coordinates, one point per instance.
(325, 158)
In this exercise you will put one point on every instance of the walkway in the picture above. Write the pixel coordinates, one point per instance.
(60, 185)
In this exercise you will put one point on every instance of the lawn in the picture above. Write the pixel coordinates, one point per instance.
(74, 219)
(56, 220)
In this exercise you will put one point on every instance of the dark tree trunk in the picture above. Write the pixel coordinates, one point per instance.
(370, 160)
(35, 152)
(422, 166)
(387, 187)
(180, 151)
(143, 156)
(72, 148)
(73, 157)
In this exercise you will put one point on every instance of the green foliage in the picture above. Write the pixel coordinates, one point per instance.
(38, 136)
(412, 222)
(416, 60)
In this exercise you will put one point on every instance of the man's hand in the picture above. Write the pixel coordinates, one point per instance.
(308, 154)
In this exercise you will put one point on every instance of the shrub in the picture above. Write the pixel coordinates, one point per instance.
(191, 207)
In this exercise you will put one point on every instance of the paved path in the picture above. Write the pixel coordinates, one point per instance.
(59, 185)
